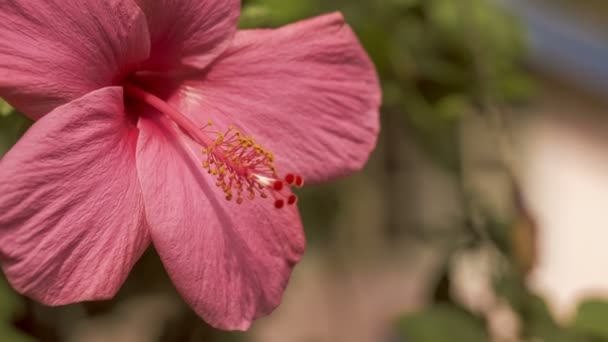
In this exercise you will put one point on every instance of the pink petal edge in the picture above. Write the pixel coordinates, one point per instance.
(71, 209)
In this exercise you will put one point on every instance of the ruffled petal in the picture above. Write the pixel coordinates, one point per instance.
(71, 209)
(230, 262)
(189, 33)
(307, 92)
(53, 51)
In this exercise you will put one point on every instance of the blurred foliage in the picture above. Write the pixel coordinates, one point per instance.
(12, 126)
(591, 319)
(273, 13)
(443, 323)
(5, 108)
(11, 307)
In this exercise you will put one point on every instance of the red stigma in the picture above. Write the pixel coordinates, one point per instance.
(290, 178)
(277, 186)
(299, 181)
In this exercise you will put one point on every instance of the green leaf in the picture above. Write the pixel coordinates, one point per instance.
(443, 323)
(274, 13)
(11, 306)
(8, 333)
(592, 318)
(452, 106)
(10, 302)
(402, 4)
(541, 325)
(12, 127)
(5, 108)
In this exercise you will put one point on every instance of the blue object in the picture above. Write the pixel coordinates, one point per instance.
(562, 44)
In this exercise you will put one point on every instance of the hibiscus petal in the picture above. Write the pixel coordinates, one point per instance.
(230, 262)
(307, 92)
(53, 51)
(189, 33)
(71, 209)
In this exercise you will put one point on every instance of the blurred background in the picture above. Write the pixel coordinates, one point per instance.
(481, 216)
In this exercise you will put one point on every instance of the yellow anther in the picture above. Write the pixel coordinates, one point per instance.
(239, 165)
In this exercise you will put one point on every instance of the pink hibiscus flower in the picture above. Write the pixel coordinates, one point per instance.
(122, 153)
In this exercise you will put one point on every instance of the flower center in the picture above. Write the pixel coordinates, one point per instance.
(241, 167)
